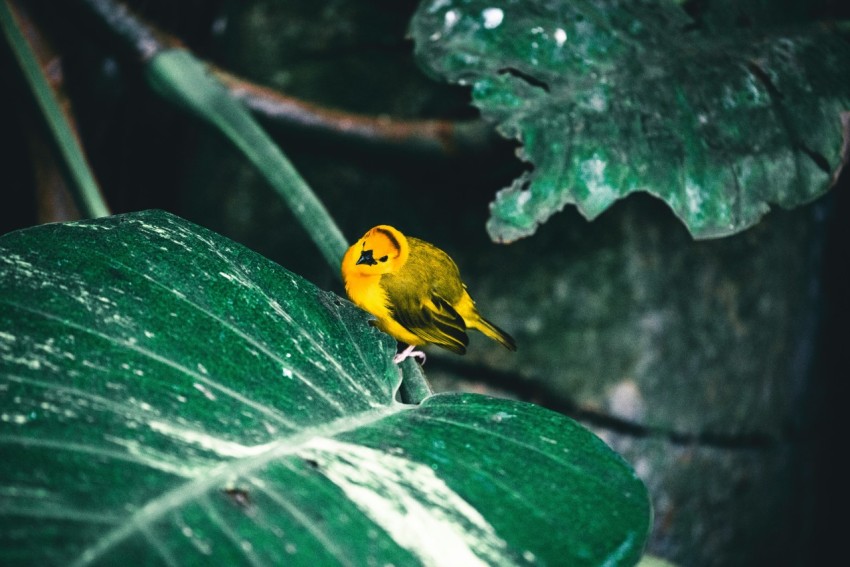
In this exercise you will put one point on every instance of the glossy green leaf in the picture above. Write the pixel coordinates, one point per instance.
(609, 97)
(169, 397)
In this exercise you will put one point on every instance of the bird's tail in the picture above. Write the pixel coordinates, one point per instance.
(494, 333)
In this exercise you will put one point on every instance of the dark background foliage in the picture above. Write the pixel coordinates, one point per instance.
(147, 154)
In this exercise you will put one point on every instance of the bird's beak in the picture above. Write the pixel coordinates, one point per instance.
(366, 258)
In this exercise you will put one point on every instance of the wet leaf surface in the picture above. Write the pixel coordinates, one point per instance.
(610, 97)
(169, 396)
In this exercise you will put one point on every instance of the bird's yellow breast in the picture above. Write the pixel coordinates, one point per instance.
(368, 294)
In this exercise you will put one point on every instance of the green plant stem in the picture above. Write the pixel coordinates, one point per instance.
(180, 77)
(82, 182)
(414, 387)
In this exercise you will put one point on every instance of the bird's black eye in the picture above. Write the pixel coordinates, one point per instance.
(383, 258)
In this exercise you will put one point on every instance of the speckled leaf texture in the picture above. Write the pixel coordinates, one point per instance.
(719, 119)
(170, 397)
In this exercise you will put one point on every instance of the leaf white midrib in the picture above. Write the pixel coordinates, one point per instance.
(270, 412)
(159, 507)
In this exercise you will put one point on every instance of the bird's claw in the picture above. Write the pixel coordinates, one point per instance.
(408, 353)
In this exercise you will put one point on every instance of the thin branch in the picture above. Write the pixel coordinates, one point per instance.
(132, 32)
(443, 137)
(433, 137)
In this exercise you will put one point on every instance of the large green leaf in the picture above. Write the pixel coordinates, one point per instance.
(609, 97)
(168, 396)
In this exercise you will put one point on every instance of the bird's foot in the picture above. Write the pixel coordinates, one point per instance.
(409, 352)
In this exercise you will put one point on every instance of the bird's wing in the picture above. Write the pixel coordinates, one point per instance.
(435, 321)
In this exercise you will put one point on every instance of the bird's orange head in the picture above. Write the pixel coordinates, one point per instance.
(382, 250)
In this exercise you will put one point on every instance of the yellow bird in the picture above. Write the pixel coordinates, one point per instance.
(415, 291)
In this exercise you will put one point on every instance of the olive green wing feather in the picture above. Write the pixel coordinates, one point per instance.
(435, 321)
